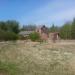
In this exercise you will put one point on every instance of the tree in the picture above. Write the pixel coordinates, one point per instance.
(53, 28)
(73, 29)
(3, 26)
(13, 26)
(28, 28)
(5, 36)
(65, 31)
(9, 30)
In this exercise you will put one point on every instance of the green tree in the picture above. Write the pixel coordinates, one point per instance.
(65, 31)
(13, 26)
(5, 36)
(73, 29)
(3, 26)
(9, 30)
(53, 28)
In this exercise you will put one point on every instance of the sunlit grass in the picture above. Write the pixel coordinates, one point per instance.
(36, 59)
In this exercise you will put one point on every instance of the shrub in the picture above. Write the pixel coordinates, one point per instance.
(1, 35)
(6, 36)
(34, 36)
(11, 36)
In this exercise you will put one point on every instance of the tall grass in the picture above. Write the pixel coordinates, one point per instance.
(39, 59)
(8, 68)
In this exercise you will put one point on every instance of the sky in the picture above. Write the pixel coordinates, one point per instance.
(38, 12)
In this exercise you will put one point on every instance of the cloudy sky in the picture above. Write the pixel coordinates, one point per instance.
(38, 11)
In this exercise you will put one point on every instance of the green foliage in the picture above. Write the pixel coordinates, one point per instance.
(65, 31)
(11, 26)
(54, 28)
(11, 36)
(34, 36)
(8, 68)
(73, 29)
(3, 26)
(8, 36)
(9, 30)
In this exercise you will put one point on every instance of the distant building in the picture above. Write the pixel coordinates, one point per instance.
(46, 35)
(43, 31)
(25, 33)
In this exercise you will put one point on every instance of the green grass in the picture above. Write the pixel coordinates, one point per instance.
(29, 59)
(8, 68)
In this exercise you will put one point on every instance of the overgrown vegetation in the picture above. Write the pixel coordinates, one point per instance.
(66, 31)
(9, 30)
(6, 36)
(37, 59)
(34, 36)
(8, 68)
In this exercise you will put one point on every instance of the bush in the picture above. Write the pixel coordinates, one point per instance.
(11, 36)
(6, 36)
(1, 35)
(34, 36)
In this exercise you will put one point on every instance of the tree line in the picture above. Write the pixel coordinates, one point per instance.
(9, 30)
(66, 31)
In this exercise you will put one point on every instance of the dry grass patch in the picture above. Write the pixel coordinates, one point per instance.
(35, 58)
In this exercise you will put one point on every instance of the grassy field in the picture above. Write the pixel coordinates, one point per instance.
(29, 58)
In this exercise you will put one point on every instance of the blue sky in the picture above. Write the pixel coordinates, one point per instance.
(38, 11)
